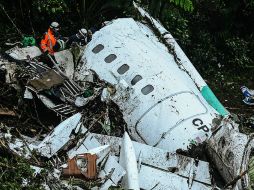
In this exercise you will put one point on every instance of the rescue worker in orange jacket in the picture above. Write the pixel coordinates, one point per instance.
(49, 41)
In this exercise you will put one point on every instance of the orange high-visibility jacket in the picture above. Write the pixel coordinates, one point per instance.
(48, 42)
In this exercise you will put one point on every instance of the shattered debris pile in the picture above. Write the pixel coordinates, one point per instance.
(131, 113)
(17, 112)
(45, 92)
(99, 161)
(33, 99)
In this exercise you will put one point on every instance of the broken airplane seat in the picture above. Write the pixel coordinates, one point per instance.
(64, 110)
(38, 67)
(72, 87)
(81, 166)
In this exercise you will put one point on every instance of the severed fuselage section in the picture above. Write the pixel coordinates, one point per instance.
(164, 100)
(160, 102)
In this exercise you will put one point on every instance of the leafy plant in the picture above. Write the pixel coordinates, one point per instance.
(185, 4)
(50, 6)
(16, 174)
(106, 127)
(157, 7)
(237, 52)
(96, 11)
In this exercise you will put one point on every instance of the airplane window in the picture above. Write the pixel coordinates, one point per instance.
(98, 48)
(123, 69)
(110, 58)
(136, 79)
(147, 89)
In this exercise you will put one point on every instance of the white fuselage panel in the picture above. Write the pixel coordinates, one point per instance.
(160, 102)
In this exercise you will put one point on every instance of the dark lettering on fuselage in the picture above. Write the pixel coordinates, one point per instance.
(200, 124)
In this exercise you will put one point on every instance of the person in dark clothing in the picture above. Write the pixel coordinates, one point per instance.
(94, 29)
(80, 38)
(97, 27)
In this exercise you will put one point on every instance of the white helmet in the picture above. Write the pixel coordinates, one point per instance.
(83, 32)
(54, 25)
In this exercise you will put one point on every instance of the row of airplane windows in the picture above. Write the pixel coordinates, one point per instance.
(123, 69)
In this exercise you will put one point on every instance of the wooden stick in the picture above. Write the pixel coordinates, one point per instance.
(236, 179)
(5, 111)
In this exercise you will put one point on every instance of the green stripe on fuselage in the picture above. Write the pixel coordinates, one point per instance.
(209, 96)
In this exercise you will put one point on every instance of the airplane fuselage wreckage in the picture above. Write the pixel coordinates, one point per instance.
(165, 103)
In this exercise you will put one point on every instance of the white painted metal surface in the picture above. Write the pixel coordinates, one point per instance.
(59, 136)
(28, 94)
(65, 61)
(23, 147)
(22, 53)
(183, 59)
(46, 101)
(162, 160)
(112, 170)
(151, 178)
(129, 162)
(102, 152)
(161, 104)
(84, 144)
(230, 151)
(195, 173)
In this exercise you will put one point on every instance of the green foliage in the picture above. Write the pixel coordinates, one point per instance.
(34, 17)
(50, 6)
(177, 24)
(157, 7)
(204, 53)
(215, 33)
(220, 34)
(184, 4)
(16, 174)
(97, 11)
(171, 16)
(238, 52)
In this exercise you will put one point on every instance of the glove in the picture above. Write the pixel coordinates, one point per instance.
(61, 44)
